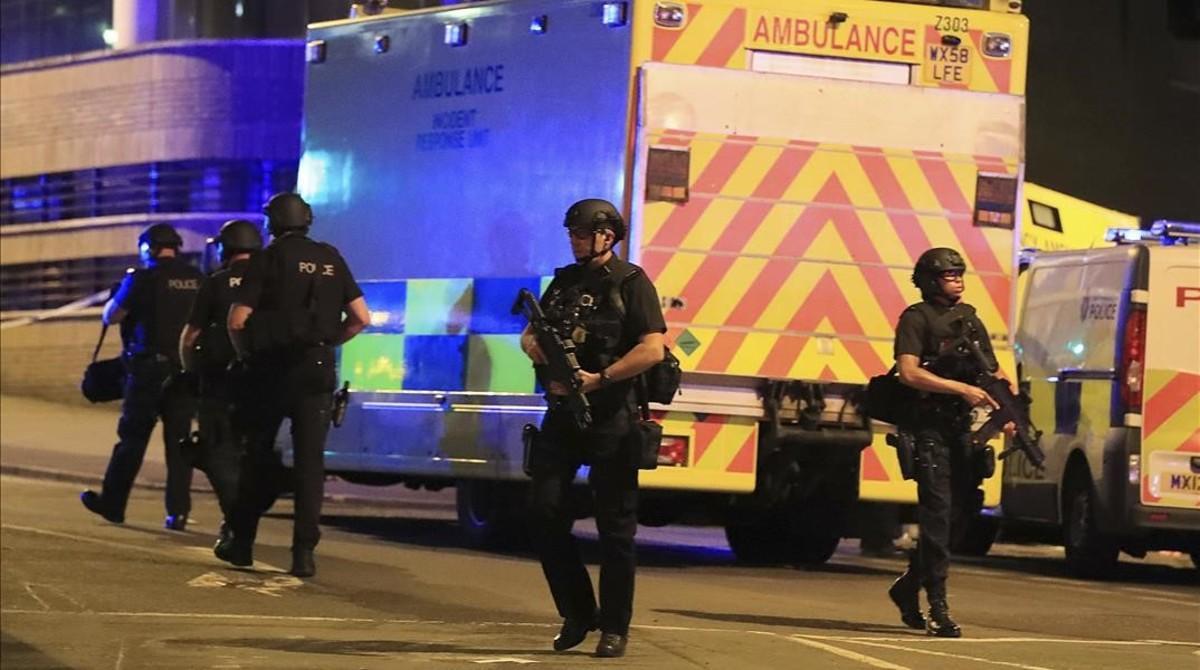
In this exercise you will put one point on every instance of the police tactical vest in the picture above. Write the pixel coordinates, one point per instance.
(944, 350)
(300, 304)
(155, 322)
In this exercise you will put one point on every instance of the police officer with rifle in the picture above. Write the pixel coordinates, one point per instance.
(205, 349)
(297, 301)
(602, 326)
(934, 358)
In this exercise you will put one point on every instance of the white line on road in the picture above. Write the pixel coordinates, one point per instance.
(984, 640)
(846, 653)
(29, 590)
(964, 657)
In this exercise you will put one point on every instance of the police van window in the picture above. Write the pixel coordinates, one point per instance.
(667, 174)
(1045, 216)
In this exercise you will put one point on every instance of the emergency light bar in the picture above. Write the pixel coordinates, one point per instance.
(1166, 233)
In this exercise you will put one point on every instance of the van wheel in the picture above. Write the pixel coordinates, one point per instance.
(490, 514)
(1090, 553)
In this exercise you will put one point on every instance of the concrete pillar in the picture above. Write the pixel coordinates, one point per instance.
(135, 22)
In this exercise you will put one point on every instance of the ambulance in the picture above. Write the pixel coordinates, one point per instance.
(781, 165)
(1109, 347)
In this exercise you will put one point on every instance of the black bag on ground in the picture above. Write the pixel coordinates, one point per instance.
(103, 381)
(888, 399)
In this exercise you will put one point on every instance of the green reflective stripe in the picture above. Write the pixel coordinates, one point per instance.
(438, 307)
(374, 363)
(496, 363)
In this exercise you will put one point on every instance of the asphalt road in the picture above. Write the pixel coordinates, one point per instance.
(396, 588)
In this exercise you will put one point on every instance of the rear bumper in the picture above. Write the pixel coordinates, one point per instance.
(1166, 518)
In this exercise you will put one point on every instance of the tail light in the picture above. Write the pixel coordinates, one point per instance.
(673, 451)
(1133, 361)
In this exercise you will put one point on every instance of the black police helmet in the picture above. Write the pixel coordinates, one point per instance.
(240, 235)
(287, 211)
(931, 264)
(160, 235)
(599, 214)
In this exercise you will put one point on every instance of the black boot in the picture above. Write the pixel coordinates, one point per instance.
(574, 631)
(612, 645)
(175, 522)
(940, 624)
(905, 593)
(96, 504)
(303, 564)
(235, 551)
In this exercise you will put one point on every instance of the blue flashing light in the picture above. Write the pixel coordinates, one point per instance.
(615, 14)
(382, 44)
(539, 24)
(455, 34)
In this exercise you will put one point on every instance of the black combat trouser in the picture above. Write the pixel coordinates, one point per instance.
(613, 479)
(279, 389)
(221, 455)
(150, 394)
(946, 485)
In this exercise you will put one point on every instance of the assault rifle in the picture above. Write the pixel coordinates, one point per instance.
(1013, 408)
(562, 365)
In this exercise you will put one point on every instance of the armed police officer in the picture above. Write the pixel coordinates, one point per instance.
(205, 350)
(610, 309)
(151, 305)
(297, 301)
(931, 359)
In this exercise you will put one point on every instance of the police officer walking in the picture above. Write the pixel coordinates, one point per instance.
(205, 349)
(151, 305)
(611, 311)
(297, 302)
(929, 359)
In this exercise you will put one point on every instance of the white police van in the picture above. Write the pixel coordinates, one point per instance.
(1109, 348)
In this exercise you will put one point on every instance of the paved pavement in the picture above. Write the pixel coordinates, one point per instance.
(396, 587)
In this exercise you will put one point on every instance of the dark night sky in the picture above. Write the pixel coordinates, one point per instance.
(1114, 103)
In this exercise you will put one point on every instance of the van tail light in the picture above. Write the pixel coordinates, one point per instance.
(1133, 361)
(673, 451)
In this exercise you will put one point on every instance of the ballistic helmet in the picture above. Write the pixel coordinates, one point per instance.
(598, 214)
(287, 212)
(239, 235)
(931, 264)
(159, 236)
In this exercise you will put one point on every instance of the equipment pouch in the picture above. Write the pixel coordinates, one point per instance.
(983, 462)
(662, 380)
(531, 437)
(889, 400)
(645, 438)
(906, 452)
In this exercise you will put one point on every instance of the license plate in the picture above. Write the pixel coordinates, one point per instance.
(947, 65)
(1173, 477)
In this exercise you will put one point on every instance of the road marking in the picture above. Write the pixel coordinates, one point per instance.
(929, 639)
(274, 586)
(963, 657)
(30, 591)
(846, 653)
(504, 659)
(120, 656)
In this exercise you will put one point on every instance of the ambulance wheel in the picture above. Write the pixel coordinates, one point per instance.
(755, 542)
(1090, 553)
(813, 545)
(489, 513)
(976, 536)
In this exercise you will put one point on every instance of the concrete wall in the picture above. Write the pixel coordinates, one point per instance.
(158, 102)
(47, 359)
